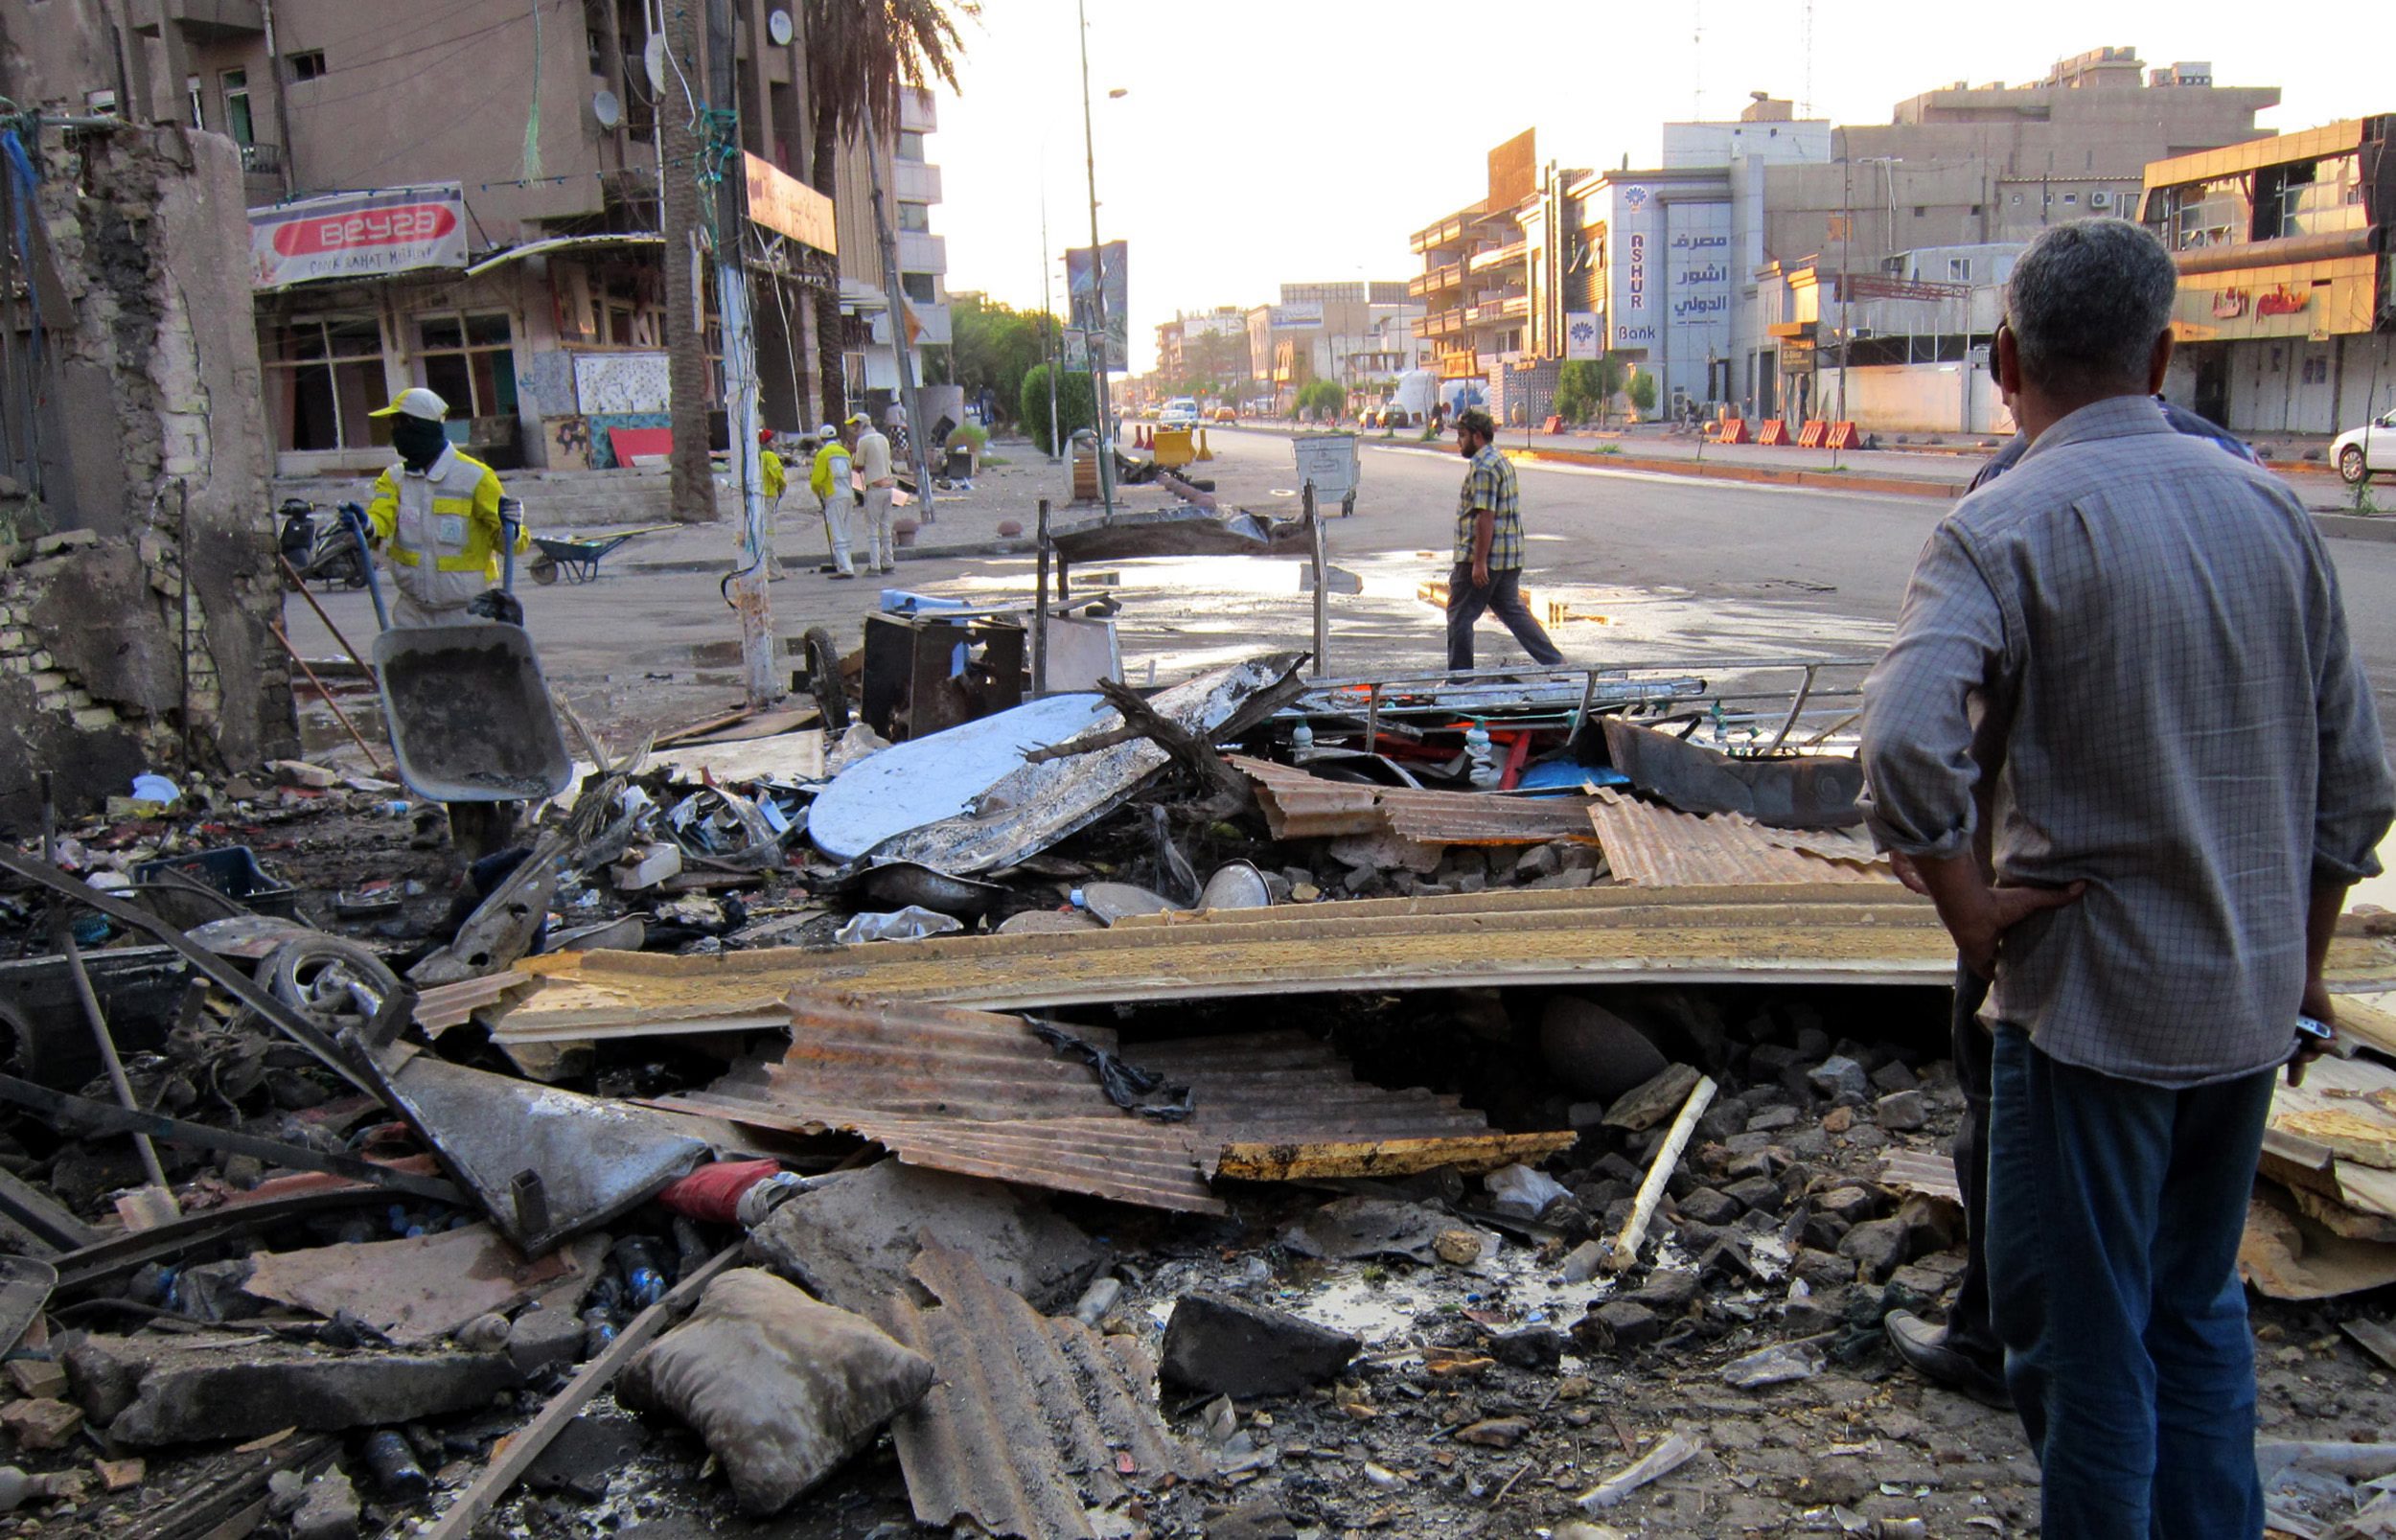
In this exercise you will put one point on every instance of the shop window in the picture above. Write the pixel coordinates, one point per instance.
(468, 361)
(308, 66)
(323, 374)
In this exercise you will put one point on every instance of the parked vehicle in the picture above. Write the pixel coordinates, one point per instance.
(316, 540)
(1225, 413)
(1182, 411)
(2366, 451)
(1410, 404)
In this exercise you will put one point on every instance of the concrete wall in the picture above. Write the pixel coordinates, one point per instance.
(161, 437)
(1918, 397)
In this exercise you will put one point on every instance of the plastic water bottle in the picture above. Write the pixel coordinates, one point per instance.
(644, 1271)
(1302, 738)
(1486, 772)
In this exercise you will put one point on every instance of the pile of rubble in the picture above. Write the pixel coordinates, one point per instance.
(1255, 1108)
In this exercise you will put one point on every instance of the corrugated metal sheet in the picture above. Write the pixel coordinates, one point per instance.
(1921, 1171)
(1824, 933)
(1298, 806)
(1648, 845)
(1034, 1424)
(981, 1095)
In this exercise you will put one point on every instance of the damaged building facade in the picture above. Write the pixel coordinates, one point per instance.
(137, 589)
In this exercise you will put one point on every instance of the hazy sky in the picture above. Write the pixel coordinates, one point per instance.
(1303, 140)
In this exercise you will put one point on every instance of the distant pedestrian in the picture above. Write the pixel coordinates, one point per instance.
(872, 452)
(1489, 568)
(772, 481)
(2187, 776)
(831, 482)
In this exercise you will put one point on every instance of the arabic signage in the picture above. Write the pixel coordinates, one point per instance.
(1079, 272)
(1295, 316)
(788, 206)
(358, 234)
(2315, 300)
(1583, 336)
(1697, 282)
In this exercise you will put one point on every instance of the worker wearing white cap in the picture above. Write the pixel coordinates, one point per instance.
(872, 452)
(830, 482)
(436, 515)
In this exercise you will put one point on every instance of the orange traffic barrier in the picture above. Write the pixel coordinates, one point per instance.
(1843, 436)
(1731, 430)
(1810, 438)
(1772, 431)
(1553, 425)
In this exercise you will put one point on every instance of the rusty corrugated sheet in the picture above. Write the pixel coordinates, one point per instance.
(1923, 1171)
(1648, 845)
(1298, 806)
(981, 1095)
(1033, 1424)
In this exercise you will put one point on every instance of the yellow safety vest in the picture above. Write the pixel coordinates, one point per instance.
(830, 478)
(442, 528)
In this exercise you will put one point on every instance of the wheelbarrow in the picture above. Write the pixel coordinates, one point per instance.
(576, 558)
(467, 707)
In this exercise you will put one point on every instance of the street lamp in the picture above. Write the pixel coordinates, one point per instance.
(1098, 268)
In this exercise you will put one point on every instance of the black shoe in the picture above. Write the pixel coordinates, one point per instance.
(1923, 1348)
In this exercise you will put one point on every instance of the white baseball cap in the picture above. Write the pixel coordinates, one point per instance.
(416, 401)
(827, 431)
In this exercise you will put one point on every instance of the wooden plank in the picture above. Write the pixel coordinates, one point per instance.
(2373, 1338)
(515, 1454)
(2347, 1105)
(1469, 1153)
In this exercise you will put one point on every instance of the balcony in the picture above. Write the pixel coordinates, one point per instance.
(1493, 311)
(920, 253)
(915, 182)
(1441, 324)
(1513, 252)
(919, 112)
(205, 21)
(1437, 280)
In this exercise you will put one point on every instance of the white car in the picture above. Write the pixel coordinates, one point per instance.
(2366, 451)
(1178, 412)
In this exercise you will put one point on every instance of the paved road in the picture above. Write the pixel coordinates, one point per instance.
(1651, 568)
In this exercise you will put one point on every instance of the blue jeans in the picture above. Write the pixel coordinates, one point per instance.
(2114, 1213)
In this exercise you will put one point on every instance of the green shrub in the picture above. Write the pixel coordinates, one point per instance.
(1643, 393)
(1326, 399)
(1075, 406)
(969, 436)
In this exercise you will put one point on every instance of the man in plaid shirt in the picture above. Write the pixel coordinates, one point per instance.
(1489, 570)
(2185, 777)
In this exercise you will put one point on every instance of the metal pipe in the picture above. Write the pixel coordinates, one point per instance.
(1097, 275)
(1040, 612)
(301, 584)
(275, 630)
(107, 1044)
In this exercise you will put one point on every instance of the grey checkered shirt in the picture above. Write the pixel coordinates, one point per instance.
(1489, 483)
(2172, 714)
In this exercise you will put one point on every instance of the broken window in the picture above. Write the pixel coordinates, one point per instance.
(469, 361)
(323, 374)
(308, 65)
(235, 84)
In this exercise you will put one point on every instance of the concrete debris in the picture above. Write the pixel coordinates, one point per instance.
(1352, 1228)
(414, 1290)
(1220, 1346)
(152, 1393)
(328, 1511)
(1654, 1100)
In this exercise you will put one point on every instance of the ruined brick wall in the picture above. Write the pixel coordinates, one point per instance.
(153, 427)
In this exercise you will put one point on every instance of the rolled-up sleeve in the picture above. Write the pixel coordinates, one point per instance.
(2356, 797)
(1919, 771)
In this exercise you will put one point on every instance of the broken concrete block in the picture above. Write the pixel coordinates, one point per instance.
(1760, 1193)
(540, 1339)
(1670, 1289)
(299, 773)
(1533, 1347)
(1656, 1102)
(37, 1377)
(41, 1422)
(646, 867)
(1901, 1111)
(849, 1241)
(1595, 1052)
(1839, 1078)
(1709, 1206)
(1879, 1246)
(194, 1389)
(1221, 1346)
(1495, 1433)
(1583, 1261)
(1623, 1324)
(330, 1509)
(1895, 1075)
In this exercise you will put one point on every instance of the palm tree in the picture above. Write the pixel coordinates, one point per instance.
(860, 55)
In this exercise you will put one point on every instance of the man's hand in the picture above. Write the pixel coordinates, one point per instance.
(1480, 574)
(2317, 1004)
(1908, 873)
(1979, 930)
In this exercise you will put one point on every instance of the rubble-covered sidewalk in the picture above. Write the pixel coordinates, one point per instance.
(1251, 1107)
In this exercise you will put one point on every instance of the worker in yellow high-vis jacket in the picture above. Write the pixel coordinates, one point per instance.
(436, 515)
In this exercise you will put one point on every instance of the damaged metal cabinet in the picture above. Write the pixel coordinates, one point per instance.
(928, 672)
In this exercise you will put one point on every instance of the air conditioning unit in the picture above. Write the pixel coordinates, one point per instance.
(2099, 198)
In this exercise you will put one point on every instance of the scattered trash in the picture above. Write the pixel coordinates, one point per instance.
(1676, 1450)
(1776, 1365)
(910, 924)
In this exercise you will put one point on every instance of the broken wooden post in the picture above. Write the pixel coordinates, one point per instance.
(1040, 611)
(1626, 1250)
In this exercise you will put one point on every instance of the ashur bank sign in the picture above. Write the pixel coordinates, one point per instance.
(358, 234)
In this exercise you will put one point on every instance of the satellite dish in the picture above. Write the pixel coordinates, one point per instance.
(652, 59)
(605, 107)
(778, 28)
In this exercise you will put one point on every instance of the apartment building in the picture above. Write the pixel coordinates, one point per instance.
(1360, 333)
(1475, 284)
(467, 197)
(1209, 345)
(2286, 318)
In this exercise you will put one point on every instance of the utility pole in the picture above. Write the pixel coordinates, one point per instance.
(748, 587)
(1051, 340)
(1097, 276)
(679, 155)
(901, 344)
(1846, 248)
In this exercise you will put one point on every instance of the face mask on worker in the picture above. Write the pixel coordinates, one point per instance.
(418, 441)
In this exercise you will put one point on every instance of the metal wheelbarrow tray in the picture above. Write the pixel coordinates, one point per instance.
(469, 714)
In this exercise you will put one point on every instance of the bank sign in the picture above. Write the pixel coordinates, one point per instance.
(358, 234)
